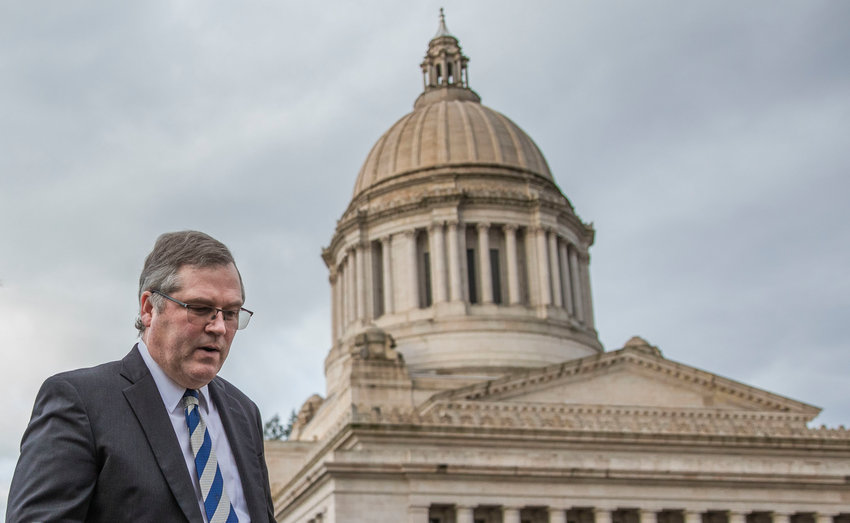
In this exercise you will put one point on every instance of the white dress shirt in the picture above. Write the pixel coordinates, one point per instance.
(172, 399)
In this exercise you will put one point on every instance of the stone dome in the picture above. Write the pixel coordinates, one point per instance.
(457, 244)
(450, 127)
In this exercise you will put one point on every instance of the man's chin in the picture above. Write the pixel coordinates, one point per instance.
(202, 373)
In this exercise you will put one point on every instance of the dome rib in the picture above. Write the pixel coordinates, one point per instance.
(517, 145)
(491, 134)
(444, 152)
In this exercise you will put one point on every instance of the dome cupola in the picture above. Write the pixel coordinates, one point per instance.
(457, 243)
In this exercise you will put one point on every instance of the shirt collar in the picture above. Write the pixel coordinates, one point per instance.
(169, 390)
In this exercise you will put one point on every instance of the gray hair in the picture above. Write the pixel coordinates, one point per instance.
(172, 251)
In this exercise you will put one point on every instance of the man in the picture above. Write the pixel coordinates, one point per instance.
(156, 436)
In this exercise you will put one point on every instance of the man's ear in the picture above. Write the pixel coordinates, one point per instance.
(146, 308)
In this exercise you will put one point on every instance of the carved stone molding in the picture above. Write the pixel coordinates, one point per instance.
(600, 419)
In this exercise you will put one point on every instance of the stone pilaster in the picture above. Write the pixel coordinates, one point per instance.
(557, 515)
(648, 516)
(463, 514)
(602, 515)
(510, 515)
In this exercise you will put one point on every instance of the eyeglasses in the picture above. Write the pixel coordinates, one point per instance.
(204, 314)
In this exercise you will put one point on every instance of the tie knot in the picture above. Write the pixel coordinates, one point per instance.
(190, 397)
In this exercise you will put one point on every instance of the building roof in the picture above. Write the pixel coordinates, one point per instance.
(449, 127)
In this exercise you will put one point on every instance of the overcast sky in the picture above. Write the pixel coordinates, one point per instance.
(708, 142)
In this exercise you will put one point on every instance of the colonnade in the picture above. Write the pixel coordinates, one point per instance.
(441, 513)
(454, 262)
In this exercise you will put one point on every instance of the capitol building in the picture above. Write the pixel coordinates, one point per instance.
(466, 382)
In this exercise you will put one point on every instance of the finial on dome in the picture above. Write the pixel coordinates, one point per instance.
(442, 30)
(444, 65)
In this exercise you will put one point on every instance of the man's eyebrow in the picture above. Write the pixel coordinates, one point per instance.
(209, 303)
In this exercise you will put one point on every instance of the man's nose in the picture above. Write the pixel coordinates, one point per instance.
(216, 324)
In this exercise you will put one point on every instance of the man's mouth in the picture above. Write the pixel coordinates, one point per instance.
(208, 349)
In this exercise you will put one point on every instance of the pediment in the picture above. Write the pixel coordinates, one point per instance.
(630, 378)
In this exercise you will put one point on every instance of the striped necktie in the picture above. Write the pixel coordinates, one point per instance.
(216, 502)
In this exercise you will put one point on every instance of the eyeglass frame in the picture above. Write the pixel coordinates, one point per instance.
(192, 307)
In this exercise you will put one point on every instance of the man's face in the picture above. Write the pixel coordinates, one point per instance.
(190, 354)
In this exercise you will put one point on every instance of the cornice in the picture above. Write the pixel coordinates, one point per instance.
(601, 419)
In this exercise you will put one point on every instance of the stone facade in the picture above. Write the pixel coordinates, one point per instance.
(466, 382)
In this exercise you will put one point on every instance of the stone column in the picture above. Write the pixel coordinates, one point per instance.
(438, 261)
(349, 288)
(386, 263)
(553, 267)
(363, 303)
(564, 264)
(455, 287)
(334, 302)
(486, 277)
(601, 515)
(576, 281)
(513, 266)
(463, 514)
(510, 515)
(543, 268)
(587, 304)
(824, 518)
(736, 517)
(557, 515)
(778, 517)
(417, 514)
(353, 263)
(647, 516)
(413, 272)
(692, 516)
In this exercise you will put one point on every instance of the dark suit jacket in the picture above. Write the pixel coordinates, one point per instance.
(100, 447)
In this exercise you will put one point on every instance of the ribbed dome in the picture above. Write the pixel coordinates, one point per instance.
(450, 129)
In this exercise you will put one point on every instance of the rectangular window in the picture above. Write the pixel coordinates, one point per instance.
(426, 268)
(423, 262)
(495, 275)
(378, 278)
(522, 266)
(471, 275)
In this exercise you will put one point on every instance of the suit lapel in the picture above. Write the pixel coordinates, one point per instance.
(239, 432)
(146, 402)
